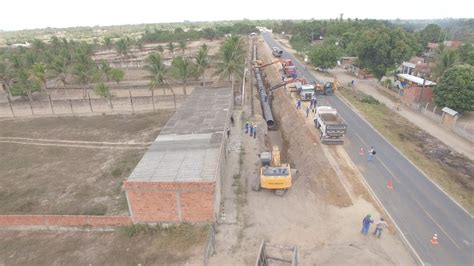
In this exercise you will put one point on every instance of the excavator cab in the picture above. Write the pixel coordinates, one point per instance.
(273, 174)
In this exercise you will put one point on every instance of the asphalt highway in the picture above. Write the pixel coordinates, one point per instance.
(419, 208)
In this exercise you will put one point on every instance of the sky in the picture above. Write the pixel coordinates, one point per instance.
(33, 14)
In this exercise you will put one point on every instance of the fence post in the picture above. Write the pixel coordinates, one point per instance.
(110, 103)
(153, 99)
(131, 101)
(11, 106)
(70, 105)
(90, 103)
(174, 99)
(31, 106)
(51, 104)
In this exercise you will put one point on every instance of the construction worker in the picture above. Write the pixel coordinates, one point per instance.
(251, 129)
(247, 127)
(366, 224)
(371, 154)
(381, 224)
(255, 131)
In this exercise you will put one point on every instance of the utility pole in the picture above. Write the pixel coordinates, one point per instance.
(421, 93)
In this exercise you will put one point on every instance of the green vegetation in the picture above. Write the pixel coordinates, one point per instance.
(232, 56)
(325, 55)
(382, 50)
(117, 74)
(184, 230)
(157, 70)
(202, 61)
(183, 68)
(102, 90)
(445, 58)
(456, 89)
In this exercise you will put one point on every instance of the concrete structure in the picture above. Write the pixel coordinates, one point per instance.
(449, 117)
(413, 90)
(179, 177)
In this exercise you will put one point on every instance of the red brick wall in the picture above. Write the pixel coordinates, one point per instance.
(63, 220)
(412, 94)
(197, 206)
(170, 201)
(154, 205)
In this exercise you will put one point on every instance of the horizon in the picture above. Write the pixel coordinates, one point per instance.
(53, 13)
(234, 20)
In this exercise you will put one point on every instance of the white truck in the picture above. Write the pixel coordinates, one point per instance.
(306, 91)
(332, 126)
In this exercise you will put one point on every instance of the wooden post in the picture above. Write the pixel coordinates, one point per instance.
(153, 99)
(110, 103)
(90, 103)
(31, 106)
(70, 105)
(131, 101)
(11, 106)
(51, 104)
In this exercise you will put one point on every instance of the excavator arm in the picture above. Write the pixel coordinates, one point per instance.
(279, 85)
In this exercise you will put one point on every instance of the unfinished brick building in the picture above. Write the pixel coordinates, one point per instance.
(179, 178)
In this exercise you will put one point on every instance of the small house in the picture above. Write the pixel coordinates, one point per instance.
(415, 90)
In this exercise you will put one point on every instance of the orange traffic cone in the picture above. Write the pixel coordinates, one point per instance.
(434, 239)
(361, 151)
(390, 184)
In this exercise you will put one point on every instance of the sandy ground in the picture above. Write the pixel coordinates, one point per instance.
(73, 165)
(172, 246)
(321, 214)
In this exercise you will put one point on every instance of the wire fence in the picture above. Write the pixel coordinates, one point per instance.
(88, 105)
(211, 244)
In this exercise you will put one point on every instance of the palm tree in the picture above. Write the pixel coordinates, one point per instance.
(59, 68)
(122, 47)
(183, 68)
(6, 77)
(445, 59)
(38, 71)
(154, 65)
(232, 55)
(117, 74)
(202, 61)
(182, 46)
(24, 85)
(171, 48)
(105, 69)
(84, 70)
(108, 43)
(160, 49)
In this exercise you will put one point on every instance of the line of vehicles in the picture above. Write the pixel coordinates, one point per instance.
(278, 176)
(326, 119)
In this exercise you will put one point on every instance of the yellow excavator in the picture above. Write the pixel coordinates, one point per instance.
(273, 175)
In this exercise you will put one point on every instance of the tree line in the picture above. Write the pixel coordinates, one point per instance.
(24, 71)
(381, 47)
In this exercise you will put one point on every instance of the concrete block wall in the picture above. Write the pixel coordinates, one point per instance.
(153, 202)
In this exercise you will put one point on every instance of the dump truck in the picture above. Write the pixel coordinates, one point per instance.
(332, 126)
(273, 174)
